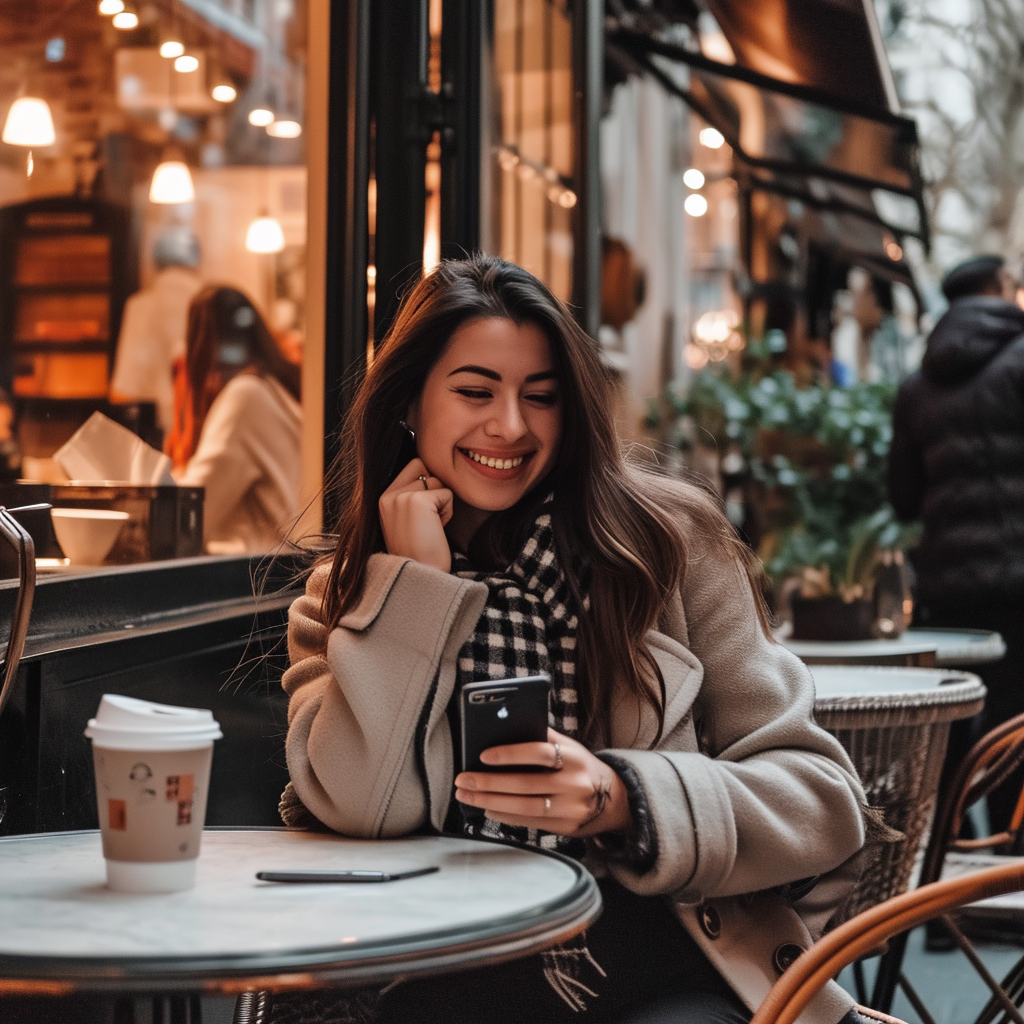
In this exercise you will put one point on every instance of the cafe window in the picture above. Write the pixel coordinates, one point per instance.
(528, 138)
(150, 148)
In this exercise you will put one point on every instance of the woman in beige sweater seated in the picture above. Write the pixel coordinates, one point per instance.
(237, 424)
(491, 528)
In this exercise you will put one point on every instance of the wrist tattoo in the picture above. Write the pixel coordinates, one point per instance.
(598, 800)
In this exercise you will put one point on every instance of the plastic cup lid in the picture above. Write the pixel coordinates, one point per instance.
(127, 723)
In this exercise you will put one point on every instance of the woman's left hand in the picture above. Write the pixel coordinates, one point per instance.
(581, 798)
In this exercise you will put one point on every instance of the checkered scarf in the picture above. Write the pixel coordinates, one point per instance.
(528, 626)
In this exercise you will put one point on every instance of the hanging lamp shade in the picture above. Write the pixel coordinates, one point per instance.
(286, 129)
(29, 123)
(264, 235)
(172, 183)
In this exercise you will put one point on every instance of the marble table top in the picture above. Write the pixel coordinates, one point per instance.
(60, 925)
(952, 647)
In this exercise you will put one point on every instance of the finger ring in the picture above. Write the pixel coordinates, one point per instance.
(423, 480)
(558, 757)
(547, 805)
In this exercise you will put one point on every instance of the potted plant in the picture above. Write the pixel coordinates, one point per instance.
(813, 465)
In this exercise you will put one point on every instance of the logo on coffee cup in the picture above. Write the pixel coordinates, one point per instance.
(117, 815)
(180, 790)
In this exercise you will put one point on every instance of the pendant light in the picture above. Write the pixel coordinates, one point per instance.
(29, 123)
(284, 129)
(186, 63)
(261, 117)
(126, 21)
(110, 7)
(224, 93)
(172, 182)
(264, 234)
(172, 48)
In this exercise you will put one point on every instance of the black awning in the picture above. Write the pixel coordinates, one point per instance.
(830, 45)
(797, 140)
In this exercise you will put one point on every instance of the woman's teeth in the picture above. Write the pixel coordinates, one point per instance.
(493, 463)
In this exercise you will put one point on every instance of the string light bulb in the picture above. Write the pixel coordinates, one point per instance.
(693, 178)
(110, 7)
(264, 234)
(172, 48)
(186, 63)
(695, 205)
(261, 117)
(224, 93)
(126, 21)
(712, 138)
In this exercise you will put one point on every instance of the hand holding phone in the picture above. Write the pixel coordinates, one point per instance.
(496, 713)
(554, 784)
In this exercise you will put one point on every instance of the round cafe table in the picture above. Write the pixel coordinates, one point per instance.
(921, 648)
(63, 932)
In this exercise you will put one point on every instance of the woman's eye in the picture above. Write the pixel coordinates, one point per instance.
(543, 397)
(472, 393)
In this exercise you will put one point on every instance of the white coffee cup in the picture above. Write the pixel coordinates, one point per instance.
(152, 766)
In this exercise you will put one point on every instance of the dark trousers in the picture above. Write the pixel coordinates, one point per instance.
(1005, 683)
(653, 973)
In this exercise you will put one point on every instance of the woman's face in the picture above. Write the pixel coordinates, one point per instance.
(489, 418)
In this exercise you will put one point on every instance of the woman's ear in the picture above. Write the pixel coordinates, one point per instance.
(412, 418)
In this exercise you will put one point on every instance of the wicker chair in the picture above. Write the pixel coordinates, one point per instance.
(895, 732)
(988, 764)
(864, 933)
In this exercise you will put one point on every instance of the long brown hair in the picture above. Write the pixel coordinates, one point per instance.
(630, 528)
(220, 319)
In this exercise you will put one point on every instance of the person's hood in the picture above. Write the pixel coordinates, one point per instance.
(971, 332)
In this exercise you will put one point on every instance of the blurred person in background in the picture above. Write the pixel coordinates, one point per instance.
(153, 326)
(237, 424)
(957, 464)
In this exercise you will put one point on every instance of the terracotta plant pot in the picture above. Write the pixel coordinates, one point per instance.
(832, 618)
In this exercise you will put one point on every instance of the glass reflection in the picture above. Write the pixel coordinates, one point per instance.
(173, 160)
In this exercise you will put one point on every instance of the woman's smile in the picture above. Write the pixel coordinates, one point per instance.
(496, 466)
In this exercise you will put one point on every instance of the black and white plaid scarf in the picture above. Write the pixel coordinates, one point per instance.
(528, 626)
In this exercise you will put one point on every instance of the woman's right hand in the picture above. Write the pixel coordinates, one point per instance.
(413, 517)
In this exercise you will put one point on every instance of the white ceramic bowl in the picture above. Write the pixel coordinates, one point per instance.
(86, 535)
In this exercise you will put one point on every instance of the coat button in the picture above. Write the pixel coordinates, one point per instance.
(710, 922)
(785, 955)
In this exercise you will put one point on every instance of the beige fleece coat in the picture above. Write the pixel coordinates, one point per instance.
(765, 799)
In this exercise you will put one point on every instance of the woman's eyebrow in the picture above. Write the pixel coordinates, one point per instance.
(494, 375)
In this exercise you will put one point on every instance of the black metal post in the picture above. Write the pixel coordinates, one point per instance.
(402, 131)
(464, 23)
(345, 322)
(587, 72)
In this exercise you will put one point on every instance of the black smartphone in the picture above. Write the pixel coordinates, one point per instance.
(501, 711)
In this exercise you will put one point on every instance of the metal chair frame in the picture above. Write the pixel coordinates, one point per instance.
(987, 765)
(18, 537)
(864, 933)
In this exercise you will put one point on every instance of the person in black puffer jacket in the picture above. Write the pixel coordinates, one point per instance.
(957, 464)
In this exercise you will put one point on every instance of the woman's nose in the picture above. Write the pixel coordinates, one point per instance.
(507, 422)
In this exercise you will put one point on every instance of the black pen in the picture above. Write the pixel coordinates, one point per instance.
(341, 876)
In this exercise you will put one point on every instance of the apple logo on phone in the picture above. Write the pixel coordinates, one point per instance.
(503, 712)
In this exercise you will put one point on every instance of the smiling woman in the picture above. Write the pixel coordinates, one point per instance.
(492, 529)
